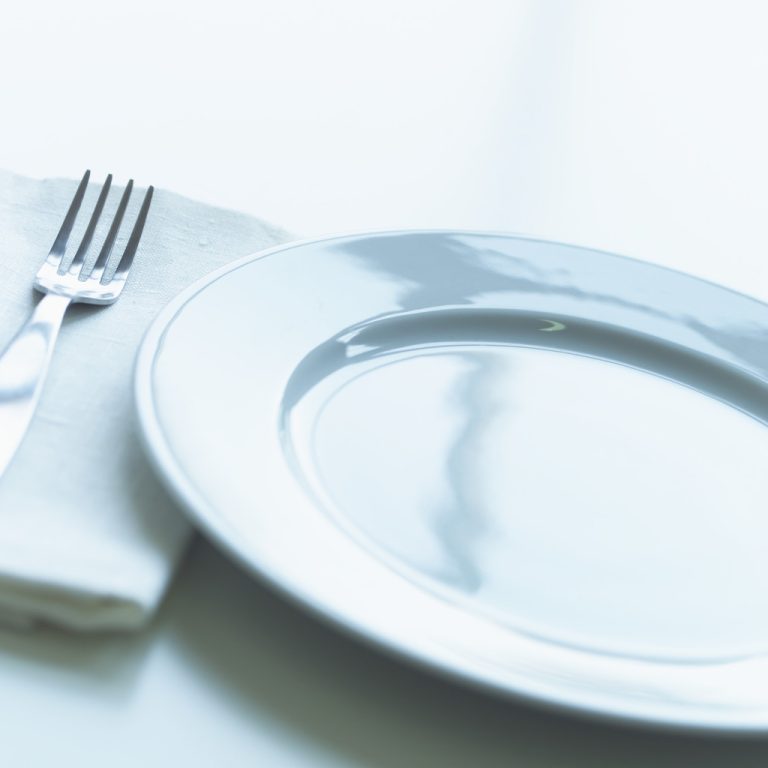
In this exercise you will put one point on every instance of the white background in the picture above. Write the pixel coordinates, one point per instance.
(639, 127)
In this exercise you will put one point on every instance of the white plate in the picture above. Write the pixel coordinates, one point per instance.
(535, 467)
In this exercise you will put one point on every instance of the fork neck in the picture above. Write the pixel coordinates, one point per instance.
(50, 310)
(23, 367)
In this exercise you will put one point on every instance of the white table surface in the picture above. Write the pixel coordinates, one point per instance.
(635, 127)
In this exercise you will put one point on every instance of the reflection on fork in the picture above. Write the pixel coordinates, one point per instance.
(64, 278)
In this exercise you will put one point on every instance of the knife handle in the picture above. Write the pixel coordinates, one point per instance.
(23, 367)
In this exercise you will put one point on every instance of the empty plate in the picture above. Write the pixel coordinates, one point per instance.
(534, 467)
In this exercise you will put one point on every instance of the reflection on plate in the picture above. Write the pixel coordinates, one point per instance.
(532, 466)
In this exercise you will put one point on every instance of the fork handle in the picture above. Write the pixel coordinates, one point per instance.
(23, 366)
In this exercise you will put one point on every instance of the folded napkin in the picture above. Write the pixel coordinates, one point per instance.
(88, 538)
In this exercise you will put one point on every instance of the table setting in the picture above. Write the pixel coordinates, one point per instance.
(439, 454)
(407, 456)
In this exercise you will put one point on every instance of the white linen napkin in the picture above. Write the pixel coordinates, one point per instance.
(88, 538)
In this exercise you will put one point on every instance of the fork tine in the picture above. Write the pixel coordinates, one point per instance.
(133, 241)
(60, 243)
(85, 243)
(109, 242)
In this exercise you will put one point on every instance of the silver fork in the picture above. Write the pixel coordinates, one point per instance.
(24, 363)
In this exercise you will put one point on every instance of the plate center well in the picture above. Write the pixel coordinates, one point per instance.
(577, 482)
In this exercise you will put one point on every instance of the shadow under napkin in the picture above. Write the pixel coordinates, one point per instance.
(107, 665)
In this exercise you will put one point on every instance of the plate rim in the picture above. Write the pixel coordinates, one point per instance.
(203, 516)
